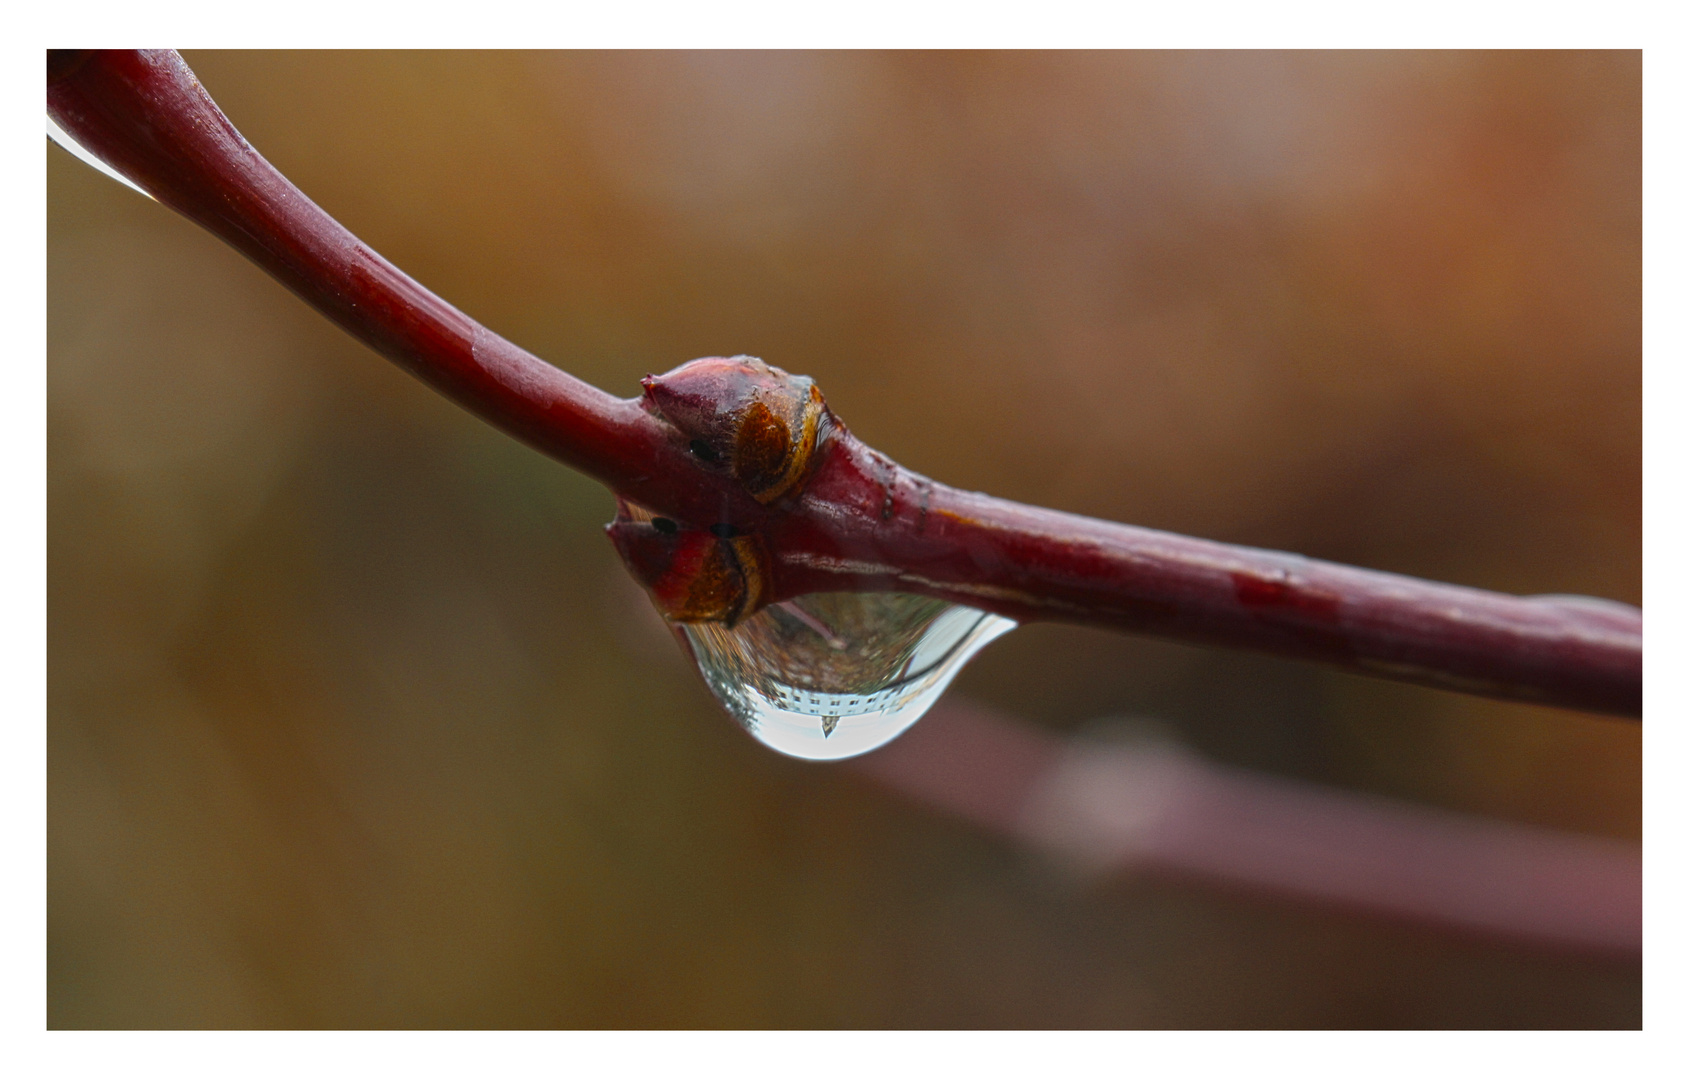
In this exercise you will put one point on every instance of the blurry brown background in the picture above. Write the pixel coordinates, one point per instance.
(354, 720)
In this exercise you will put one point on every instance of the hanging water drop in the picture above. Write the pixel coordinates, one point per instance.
(833, 675)
(68, 141)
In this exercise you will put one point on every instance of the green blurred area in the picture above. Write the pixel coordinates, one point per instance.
(354, 720)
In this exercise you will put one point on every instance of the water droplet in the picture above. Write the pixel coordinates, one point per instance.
(833, 675)
(68, 141)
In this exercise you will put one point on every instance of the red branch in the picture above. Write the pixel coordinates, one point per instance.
(859, 521)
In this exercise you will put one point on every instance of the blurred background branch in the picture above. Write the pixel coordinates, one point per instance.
(1127, 798)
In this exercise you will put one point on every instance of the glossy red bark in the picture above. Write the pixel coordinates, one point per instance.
(857, 521)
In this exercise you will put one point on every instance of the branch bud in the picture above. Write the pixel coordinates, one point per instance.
(758, 422)
(693, 575)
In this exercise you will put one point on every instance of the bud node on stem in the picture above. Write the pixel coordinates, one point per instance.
(758, 422)
(718, 574)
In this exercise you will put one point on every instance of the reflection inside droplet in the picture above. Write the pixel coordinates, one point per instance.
(833, 675)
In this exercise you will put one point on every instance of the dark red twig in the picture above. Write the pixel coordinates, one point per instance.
(858, 521)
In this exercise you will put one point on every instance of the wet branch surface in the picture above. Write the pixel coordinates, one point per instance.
(745, 489)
